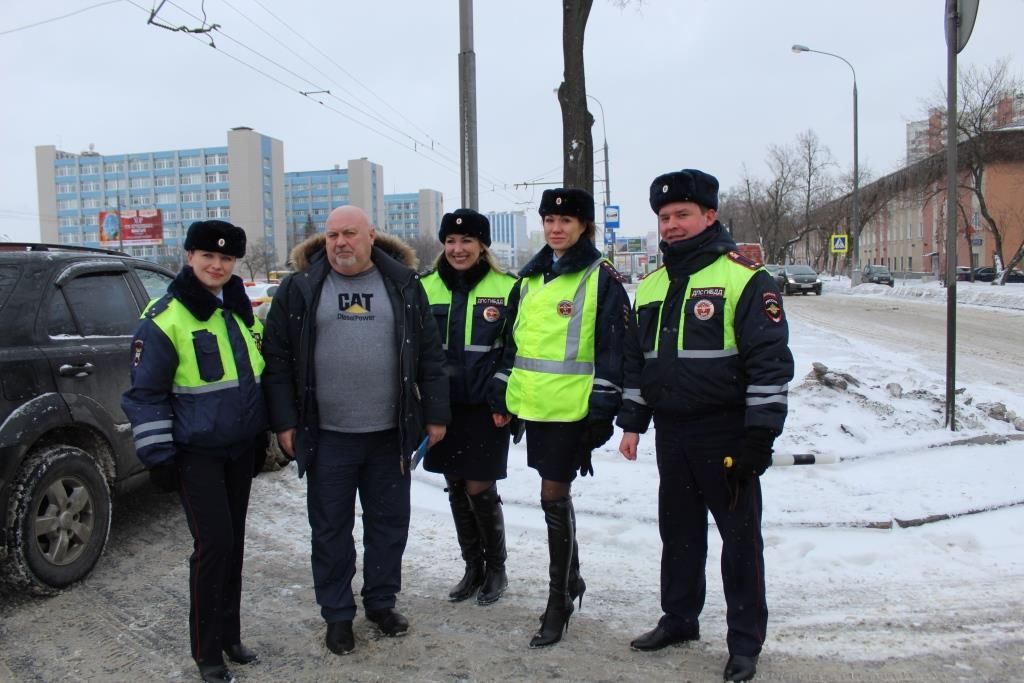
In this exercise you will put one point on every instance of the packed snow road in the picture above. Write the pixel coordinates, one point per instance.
(990, 341)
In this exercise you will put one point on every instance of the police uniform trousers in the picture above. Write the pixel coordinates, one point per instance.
(692, 481)
(214, 490)
(472, 448)
(370, 464)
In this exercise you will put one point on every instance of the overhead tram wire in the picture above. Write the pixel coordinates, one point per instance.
(493, 181)
(418, 146)
(53, 19)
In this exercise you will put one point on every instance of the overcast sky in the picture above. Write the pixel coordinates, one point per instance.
(684, 83)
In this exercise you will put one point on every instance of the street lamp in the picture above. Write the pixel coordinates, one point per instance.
(855, 227)
(604, 134)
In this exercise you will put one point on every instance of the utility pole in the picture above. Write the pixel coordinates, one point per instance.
(467, 106)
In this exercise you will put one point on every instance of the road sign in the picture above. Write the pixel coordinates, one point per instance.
(611, 217)
(977, 241)
(609, 236)
(840, 244)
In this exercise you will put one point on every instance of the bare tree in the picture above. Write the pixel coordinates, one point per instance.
(427, 249)
(309, 229)
(259, 260)
(983, 96)
(771, 203)
(577, 141)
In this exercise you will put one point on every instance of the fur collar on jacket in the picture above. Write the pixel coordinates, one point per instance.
(312, 249)
(201, 303)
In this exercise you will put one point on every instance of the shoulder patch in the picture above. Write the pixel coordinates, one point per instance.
(737, 257)
(157, 307)
(610, 269)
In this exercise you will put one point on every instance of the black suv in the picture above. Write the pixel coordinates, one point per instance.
(67, 316)
(877, 274)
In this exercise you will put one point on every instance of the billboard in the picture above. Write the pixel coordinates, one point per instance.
(140, 228)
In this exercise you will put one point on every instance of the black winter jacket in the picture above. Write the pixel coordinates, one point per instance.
(754, 382)
(290, 340)
(614, 324)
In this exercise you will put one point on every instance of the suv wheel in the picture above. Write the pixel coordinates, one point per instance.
(59, 519)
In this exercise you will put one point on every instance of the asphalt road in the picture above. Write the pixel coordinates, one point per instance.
(989, 341)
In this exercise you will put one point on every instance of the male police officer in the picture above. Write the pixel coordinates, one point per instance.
(713, 368)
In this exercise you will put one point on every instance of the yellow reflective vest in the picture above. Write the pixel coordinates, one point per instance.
(553, 374)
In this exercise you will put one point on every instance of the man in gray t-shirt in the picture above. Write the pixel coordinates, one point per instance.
(355, 380)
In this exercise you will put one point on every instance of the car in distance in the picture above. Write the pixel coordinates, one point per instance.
(798, 278)
(877, 274)
(67, 316)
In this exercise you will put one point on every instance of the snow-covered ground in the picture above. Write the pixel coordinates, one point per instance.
(847, 577)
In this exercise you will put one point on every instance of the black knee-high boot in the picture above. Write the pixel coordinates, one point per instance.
(561, 535)
(468, 533)
(577, 586)
(491, 521)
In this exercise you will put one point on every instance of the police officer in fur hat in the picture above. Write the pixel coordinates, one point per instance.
(712, 366)
(198, 418)
(468, 293)
(561, 373)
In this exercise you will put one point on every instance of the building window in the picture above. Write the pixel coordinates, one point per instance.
(164, 163)
(89, 169)
(217, 177)
(65, 204)
(92, 186)
(190, 162)
(67, 222)
(216, 159)
(165, 181)
(141, 200)
(115, 184)
(64, 188)
(92, 203)
(192, 214)
(138, 183)
(113, 167)
(169, 215)
(65, 171)
(266, 163)
(192, 179)
(191, 197)
(138, 165)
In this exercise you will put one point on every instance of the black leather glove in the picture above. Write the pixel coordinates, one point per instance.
(597, 434)
(165, 477)
(586, 464)
(517, 427)
(754, 455)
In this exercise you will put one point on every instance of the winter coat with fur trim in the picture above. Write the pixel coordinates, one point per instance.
(290, 341)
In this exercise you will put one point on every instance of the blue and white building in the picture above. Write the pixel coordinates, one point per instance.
(241, 182)
(412, 215)
(311, 195)
(509, 241)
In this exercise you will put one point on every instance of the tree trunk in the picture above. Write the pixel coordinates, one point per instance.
(577, 141)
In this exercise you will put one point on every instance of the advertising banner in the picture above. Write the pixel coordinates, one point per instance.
(140, 228)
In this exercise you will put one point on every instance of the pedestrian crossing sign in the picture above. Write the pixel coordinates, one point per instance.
(839, 244)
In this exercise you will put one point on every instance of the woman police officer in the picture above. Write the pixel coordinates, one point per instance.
(198, 415)
(468, 293)
(561, 373)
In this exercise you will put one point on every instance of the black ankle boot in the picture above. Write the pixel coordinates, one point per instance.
(491, 522)
(561, 536)
(468, 533)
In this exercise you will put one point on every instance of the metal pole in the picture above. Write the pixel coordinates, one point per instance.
(467, 106)
(607, 176)
(855, 230)
(951, 203)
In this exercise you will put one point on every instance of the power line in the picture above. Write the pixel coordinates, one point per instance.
(63, 16)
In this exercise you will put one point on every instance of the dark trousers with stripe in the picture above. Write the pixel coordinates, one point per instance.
(345, 464)
(690, 454)
(215, 494)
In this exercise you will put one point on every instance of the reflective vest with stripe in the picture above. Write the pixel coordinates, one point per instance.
(553, 373)
(213, 404)
(483, 321)
(706, 325)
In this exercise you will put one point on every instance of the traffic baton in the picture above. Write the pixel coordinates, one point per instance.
(785, 459)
